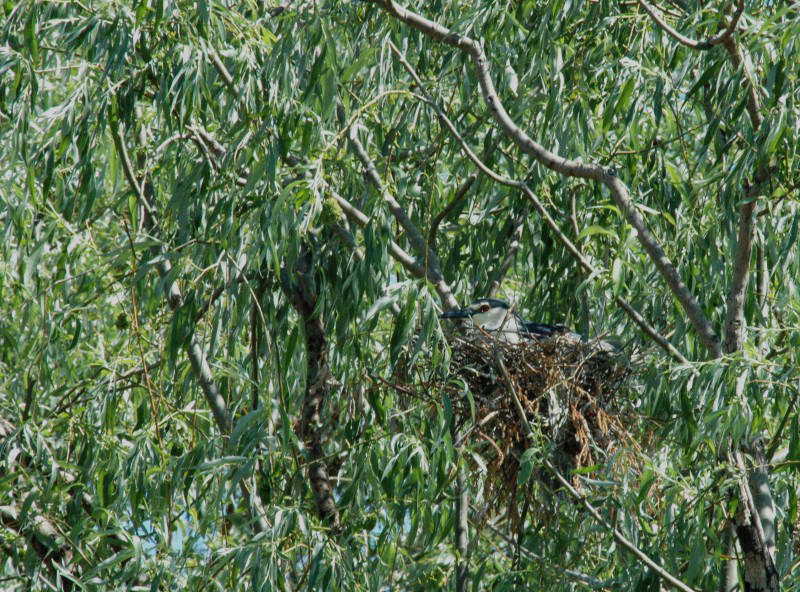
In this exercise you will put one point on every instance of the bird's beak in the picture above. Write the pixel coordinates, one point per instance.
(461, 313)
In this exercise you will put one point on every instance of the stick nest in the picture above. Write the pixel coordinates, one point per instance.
(569, 390)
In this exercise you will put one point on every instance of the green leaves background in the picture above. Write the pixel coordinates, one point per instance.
(229, 110)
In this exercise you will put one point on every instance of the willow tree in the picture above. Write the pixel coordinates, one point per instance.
(229, 229)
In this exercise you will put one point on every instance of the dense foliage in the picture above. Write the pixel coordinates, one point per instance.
(198, 333)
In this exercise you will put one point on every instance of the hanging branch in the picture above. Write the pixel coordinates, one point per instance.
(145, 193)
(584, 263)
(570, 168)
(717, 39)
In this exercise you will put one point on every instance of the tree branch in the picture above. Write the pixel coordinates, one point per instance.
(361, 219)
(759, 573)
(571, 573)
(717, 39)
(584, 263)
(303, 296)
(197, 356)
(734, 316)
(448, 209)
(433, 269)
(567, 167)
(729, 577)
(461, 530)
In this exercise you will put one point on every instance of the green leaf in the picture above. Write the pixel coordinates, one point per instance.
(526, 465)
(775, 133)
(672, 173)
(404, 322)
(593, 230)
(657, 101)
(625, 96)
(705, 77)
(31, 35)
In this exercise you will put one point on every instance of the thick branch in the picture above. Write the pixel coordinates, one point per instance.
(763, 504)
(569, 168)
(729, 578)
(759, 572)
(717, 39)
(303, 296)
(585, 264)
(734, 316)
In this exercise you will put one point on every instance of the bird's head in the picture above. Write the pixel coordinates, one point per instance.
(487, 313)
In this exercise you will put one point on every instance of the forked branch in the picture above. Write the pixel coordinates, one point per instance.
(567, 167)
(717, 39)
(584, 263)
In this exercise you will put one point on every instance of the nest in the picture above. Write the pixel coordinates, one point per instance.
(569, 391)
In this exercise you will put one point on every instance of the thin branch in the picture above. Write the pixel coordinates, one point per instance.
(585, 264)
(717, 39)
(255, 347)
(570, 168)
(511, 254)
(238, 278)
(433, 269)
(449, 208)
(762, 276)
(777, 439)
(575, 575)
(461, 530)
(359, 218)
(197, 355)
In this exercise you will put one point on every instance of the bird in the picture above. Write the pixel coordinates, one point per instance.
(496, 316)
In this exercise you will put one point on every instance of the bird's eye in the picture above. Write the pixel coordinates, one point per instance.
(484, 308)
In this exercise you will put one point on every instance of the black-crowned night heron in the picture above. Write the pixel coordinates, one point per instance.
(496, 317)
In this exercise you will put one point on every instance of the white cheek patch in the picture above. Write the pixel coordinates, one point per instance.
(490, 320)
